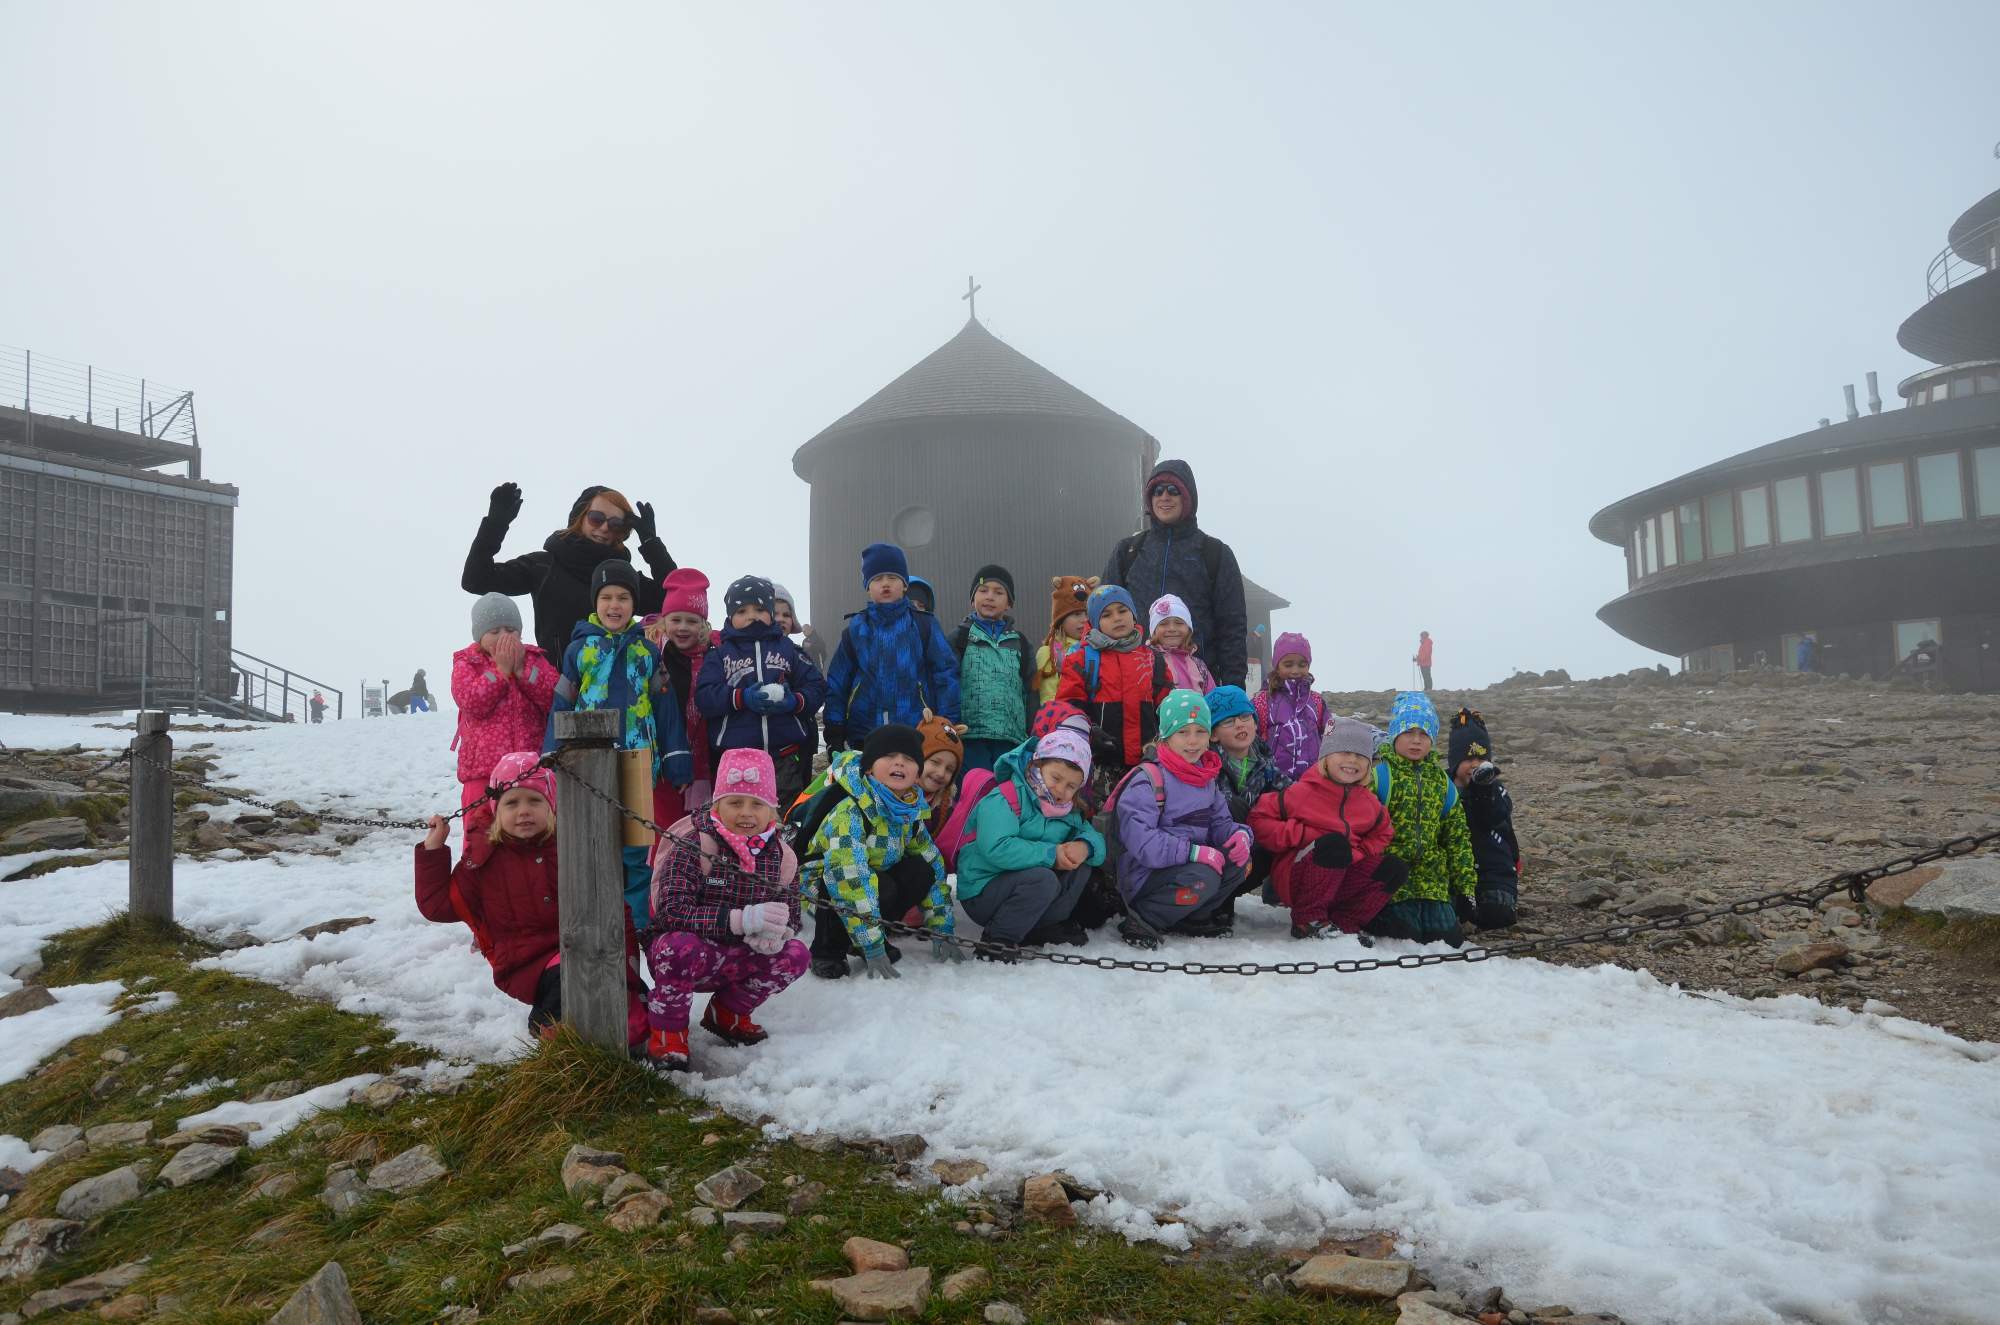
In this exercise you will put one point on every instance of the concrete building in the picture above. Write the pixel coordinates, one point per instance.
(1876, 538)
(979, 454)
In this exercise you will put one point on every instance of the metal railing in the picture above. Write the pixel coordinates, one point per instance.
(1949, 269)
(284, 694)
(81, 391)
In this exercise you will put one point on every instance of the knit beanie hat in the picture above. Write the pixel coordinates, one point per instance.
(920, 593)
(780, 594)
(751, 590)
(1058, 713)
(494, 611)
(521, 765)
(1289, 644)
(1102, 597)
(1000, 575)
(1468, 739)
(1069, 746)
(613, 571)
(1068, 594)
(883, 559)
(1413, 711)
(1226, 702)
(747, 771)
(1181, 707)
(686, 591)
(1345, 736)
(940, 735)
(1167, 607)
(892, 738)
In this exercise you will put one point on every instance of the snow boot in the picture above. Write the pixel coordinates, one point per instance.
(830, 968)
(1214, 927)
(733, 1027)
(668, 1049)
(1318, 929)
(1137, 935)
(994, 952)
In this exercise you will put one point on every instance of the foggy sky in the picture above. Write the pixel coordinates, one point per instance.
(1415, 289)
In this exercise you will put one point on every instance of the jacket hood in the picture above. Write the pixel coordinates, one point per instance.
(579, 554)
(756, 630)
(1181, 470)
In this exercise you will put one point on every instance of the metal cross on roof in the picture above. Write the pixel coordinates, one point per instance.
(972, 303)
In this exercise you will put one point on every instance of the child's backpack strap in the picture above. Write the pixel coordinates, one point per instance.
(1090, 666)
(1382, 784)
(1450, 794)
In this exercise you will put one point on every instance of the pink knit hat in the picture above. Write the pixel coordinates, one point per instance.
(746, 772)
(1289, 643)
(686, 591)
(539, 780)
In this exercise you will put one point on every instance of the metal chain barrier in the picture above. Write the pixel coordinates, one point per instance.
(21, 758)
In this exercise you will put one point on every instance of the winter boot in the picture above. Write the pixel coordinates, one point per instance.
(995, 952)
(830, 968)
(668, 1049)
(1137, 935)
(733, 1027)
(1317, 929)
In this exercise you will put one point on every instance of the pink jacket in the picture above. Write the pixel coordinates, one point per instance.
(498, 714)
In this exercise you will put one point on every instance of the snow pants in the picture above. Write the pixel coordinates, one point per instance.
(1013, 903)
(741, 980)
(898, 888)
(1185, 892)
(546, 1010)
(1347, 896)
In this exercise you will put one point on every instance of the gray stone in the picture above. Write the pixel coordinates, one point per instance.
(99, 1195)
(1354, 1276)
(753, 1221)
(1963, 888)
(638, 1210)
(414, 1168)
(276, 1090)
(335, 926)
(50, 835)
(1044, 1198)
(555, 1274)
(18, 792)
(624, 1185)
(28, 998)
(805, 1198)
(275, 1187)
(589, 1171)
(214, 1134)
(905, 1146)
(963, 1283)
(85, 1292)
(729, 1188)
(324, 1299)
(560, 1235)
(381, 1095)
(957, 1172)
(879, 1294)
(1655, 905)
(1421, 1309)
(703, 1217)
(55, 1136)
(198, 1163)
(105, 1135)
(344, 1192)
(819, 1143)
(29, 1244)
(1812, 957)
(1004, 1313)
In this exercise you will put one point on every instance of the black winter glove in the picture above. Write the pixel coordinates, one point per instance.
(645, 522)
(505, 503)
(1463, 905)
(836, 738)
(1333, 851)
(1393, 873)
(1106, 749)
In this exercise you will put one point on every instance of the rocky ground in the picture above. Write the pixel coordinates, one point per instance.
(1642, 796)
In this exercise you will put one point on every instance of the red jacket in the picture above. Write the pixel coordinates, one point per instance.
(1126, 700)
(1284, 821)
(506, 894)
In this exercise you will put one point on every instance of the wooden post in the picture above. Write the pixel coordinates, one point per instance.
(151, 887)
(592, 871)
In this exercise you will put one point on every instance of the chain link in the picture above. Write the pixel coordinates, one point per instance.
(21, 758)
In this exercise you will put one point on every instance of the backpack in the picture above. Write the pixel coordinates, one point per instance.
(958, 832)
(1128, 552)
(808, 812)
(1091, 654)
(1107, 817)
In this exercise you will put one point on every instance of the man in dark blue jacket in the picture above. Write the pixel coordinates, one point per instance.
(1173, 556)
(758, 690)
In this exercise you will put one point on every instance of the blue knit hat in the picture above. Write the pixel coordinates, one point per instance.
(1226, 702)
(1412, 710)
(883, 559)
(1103, 596)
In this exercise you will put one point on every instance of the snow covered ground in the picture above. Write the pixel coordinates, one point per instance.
(1585, 1136)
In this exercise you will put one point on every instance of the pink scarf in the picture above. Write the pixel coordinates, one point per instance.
(1188, 672)
(747, 849)
(1195, 775)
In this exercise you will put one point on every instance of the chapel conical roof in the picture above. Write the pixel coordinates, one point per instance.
(973, 373)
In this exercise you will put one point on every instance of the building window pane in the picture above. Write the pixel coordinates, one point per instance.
(1792, 657)
(1638, 557)
(1690, 531)
(1721, 524)
(1652, 551)
(1888, 495)
(1794, 510)
(1938, 493)
(1961, 386)
(1669, 545)
(1839, 503)
(1910, 634)
(1756, 516)
(1986, 478)
(1989, 382)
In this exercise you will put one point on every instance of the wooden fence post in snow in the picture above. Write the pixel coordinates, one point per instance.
(150, 890)
(588, 835)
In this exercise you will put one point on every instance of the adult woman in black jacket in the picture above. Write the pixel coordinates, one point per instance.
(557, 578)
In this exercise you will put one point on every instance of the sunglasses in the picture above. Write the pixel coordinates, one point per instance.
(1164, 490)
(596, 518)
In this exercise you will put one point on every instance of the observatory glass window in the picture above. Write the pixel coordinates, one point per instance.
(1961, 386)
(1668, 543)
(1721, 524)
(1652, 552)
(1909, 634)
(1794, 510)
(1690, 531)
(1986, 479)
(1988, 382)
(1839, 503)
(1939, 495)
(1638, 556)
(1756, 504)
(1888, 495)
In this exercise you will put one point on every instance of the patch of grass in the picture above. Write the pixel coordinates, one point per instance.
(503, 1137)
(1975, 941)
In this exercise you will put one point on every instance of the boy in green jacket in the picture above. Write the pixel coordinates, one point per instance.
(996, 671)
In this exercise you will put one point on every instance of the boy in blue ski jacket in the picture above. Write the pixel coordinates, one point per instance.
(893, 662)
(758, 690)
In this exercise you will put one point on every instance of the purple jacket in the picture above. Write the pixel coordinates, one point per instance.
(1154, 836)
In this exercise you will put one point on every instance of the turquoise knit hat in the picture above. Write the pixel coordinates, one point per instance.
(1226, 702)
(1181, 707)
(1413, 710)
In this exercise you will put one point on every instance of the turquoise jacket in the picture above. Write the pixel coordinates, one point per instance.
(1003, 841)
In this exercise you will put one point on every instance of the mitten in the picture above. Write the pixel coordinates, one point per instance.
(644, 522)
(1237, 849)
(879, 967)
(759, 918)
(946, 952)
(1210, 857)
(1393, 873)
(1333, 851)
(1106, 750)
(505, 503)
(769, 942)
(836, 738)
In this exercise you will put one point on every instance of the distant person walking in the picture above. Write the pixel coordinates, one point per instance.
(1423, 657)
(318, 705)
(1805, 659)
(1174, 556)
(557, 577)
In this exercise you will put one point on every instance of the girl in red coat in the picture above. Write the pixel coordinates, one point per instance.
(1330, 837)
(505, 892)
(1119, 681)
(503, 689)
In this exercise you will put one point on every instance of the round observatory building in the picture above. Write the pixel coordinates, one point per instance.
(1876, 538)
